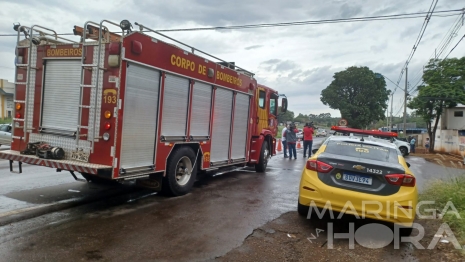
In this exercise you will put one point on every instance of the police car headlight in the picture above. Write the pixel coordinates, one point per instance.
(106, 136)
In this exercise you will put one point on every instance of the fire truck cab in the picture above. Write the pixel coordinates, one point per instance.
(124, 106)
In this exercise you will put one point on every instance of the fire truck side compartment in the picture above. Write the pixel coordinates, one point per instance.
(221, 125)
(239, 137)
(140, 116)
(175, 106)
(201, 108)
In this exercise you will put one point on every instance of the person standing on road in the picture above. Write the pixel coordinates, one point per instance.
(308, 139)
(412, 145)
(283, 139)
(291, 139)
(427, 145)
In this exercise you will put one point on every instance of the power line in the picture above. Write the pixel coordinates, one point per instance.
(311, 22)
(444, 57)
(419, 37)
(455, 46)
(442, 45)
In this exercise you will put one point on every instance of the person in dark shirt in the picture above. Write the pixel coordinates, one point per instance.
(291, 139)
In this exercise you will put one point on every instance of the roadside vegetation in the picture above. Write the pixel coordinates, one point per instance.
(6, 120)
(441, 192)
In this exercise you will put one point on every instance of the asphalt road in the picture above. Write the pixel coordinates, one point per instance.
(121, 223)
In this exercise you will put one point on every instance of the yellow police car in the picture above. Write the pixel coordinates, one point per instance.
(359, 173)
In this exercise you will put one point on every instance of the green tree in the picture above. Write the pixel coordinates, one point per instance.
(301, 118)
(284, 117)
(444, 87)
(358, 94)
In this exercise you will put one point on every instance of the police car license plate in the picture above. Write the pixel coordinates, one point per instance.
(357, 179)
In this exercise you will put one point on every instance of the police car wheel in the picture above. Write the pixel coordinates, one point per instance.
(403, 150)
(302, 210)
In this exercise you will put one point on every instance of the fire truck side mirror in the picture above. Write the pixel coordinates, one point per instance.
(284, 105)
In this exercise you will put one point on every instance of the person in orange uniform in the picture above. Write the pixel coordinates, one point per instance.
(308, 139)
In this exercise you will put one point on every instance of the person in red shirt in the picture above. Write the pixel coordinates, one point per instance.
(308, 139)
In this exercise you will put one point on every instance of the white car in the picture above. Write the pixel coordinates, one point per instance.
(5, 134)
(403, 146)
(321, 132)
(300, 135)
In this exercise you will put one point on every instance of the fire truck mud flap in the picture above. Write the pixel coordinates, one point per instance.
(153, 182)
(70, 165)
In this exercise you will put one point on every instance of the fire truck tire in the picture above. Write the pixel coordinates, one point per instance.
(180, 172)
(264, 156)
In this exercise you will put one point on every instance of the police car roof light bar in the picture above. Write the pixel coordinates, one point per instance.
(363, 132)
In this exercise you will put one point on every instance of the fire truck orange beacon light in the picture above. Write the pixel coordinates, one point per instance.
(107, 125)
(18, 106)
(107, 114)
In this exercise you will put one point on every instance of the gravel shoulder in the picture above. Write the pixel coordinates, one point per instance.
(294, 238)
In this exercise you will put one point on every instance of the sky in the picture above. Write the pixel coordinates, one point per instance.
(298, 61)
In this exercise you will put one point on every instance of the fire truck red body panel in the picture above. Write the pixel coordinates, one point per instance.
(120, 109)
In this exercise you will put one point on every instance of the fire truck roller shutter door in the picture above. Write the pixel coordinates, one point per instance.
(221, 125)
(241, 115)
(61, 94)
(201, 109)
(175, 103)
(139, 116)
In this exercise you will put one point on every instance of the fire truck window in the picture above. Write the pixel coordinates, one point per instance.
(261, 98)
(273, 106)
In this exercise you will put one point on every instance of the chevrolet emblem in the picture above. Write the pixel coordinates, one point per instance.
(358, 167)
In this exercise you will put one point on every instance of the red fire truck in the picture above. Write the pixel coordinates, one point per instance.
(123, 106)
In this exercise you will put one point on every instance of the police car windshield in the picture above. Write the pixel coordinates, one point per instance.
(362, 150)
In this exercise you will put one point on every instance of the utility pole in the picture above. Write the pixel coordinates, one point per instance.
(387, 116)
(405, 103)
(390, 122)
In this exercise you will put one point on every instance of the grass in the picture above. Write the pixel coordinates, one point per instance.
(6, 120)
(441, 192)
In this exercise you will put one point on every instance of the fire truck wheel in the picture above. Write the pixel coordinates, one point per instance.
(264, 156)
(180, 172)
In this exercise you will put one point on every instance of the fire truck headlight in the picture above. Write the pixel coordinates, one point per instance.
(106, 136)
(125, 25)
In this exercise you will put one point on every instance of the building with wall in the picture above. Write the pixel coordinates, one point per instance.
(450, 134)
(6, 99)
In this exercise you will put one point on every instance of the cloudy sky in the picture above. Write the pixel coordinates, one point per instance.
(298, 61)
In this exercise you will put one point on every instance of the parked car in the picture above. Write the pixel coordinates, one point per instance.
(5, 134)
(300, 135)
(403, 146)
(321, 132)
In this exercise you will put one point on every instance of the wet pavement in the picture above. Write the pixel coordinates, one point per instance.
(217, 220)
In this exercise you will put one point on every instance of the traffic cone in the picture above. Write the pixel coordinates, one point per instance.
(298, 144)
(279, 145)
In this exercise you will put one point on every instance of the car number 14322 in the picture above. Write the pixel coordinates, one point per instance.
(375, 171)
